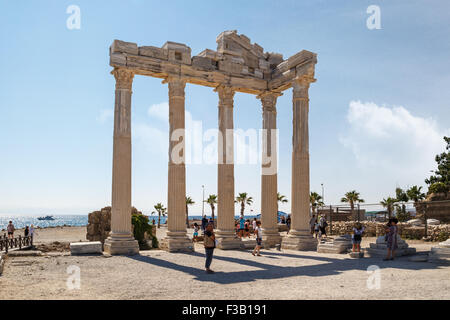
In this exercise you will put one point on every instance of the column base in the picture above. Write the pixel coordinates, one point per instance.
(299, 240)
(270, 238)
(227, 240)
(176, 242)
(121, 245)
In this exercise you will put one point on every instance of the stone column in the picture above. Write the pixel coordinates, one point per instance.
(120, 240)
(226, 235)
(176, 238)
(269, 168)
(299, 237)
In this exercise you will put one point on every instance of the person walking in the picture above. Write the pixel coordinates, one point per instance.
(312, 223)
(254, 225)
(26, 231)
(316, 229)
(10, 229)
(288, 223)
(322, 227)
(241, 226)
(258, 233)
(391, 238)
(358, 230)
(32, 231)
(209, 243)
(247, 228)
(204, 223)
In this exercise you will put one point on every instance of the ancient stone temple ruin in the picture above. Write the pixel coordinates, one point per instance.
(236, 66)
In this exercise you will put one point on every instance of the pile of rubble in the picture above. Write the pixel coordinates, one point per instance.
(99, 224)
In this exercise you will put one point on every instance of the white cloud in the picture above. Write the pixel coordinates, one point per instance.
(392, 141)
(159, 111)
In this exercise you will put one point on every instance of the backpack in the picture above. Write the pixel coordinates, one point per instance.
(209, 242)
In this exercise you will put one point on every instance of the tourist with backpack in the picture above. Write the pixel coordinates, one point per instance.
(322, 227)
(209, 243)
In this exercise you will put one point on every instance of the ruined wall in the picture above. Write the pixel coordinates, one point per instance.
(99, 224)
(375, 229)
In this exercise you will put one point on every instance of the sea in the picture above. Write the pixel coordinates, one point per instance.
(21, 221)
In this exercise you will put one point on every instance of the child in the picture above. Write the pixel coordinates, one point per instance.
(358, 230)
(196, 228)
(247, 228)
(316, 229)
(258, 233)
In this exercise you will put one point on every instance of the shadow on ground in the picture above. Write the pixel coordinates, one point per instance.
(326, 267)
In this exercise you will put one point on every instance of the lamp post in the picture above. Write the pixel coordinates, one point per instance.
(323, 199)
(203, 201)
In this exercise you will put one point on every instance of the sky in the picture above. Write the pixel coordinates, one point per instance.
(378, 111)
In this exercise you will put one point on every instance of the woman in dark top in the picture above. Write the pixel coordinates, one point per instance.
(209, 243)
(26, 231)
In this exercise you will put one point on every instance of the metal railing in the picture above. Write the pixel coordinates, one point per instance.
(15, 243)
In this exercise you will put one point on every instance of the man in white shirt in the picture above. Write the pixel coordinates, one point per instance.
(258, 233)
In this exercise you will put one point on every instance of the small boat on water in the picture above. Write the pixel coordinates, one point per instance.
(46, 218)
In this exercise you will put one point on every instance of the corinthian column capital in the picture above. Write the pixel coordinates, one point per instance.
(177, 85)
(124, 78)
(226, 95)
(300, 86)
(269, 100)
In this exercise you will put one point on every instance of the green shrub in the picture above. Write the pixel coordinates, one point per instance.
(403, 216)
(155, 243)
(141, 225)
(438, 187)
(443, 236)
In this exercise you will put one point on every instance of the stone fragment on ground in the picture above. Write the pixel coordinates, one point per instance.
(2, 264)
(93, 247)
(339, 244)
(441, 253)
(24, 253)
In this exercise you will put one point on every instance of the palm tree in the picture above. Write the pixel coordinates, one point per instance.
(280, 198)
(415, 194)
(316, 200)
(212, 200)
(161, 212)
(401, 196)
(389, 205)
(189, 202)
(244, 199)
(352, 197)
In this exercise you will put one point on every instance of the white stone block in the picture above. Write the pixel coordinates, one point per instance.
(415, 222)
(433, 222)
(445, 244)
(2, 263)
(85, 247)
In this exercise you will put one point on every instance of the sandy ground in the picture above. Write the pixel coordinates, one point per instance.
(157, 274)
